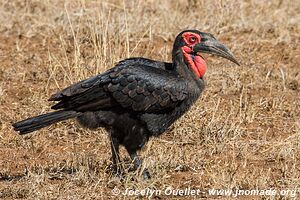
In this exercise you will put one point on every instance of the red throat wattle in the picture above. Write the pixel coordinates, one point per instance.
(196, 62)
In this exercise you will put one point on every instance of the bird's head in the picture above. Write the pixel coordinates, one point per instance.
(191, 43)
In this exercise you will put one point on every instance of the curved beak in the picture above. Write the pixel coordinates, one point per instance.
(210, 45)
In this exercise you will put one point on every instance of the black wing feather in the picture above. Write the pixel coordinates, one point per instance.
(132, 85)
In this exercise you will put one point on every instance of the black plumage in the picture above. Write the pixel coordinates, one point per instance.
(137, 99)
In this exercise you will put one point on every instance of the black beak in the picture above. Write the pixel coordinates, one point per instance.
(210, 45)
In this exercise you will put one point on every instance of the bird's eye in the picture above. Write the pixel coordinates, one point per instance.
(192, 39)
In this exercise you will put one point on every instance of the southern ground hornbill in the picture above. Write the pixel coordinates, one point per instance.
(138, 98)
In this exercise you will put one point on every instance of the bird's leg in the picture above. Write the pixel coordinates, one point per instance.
(115, 156)
(137, 162)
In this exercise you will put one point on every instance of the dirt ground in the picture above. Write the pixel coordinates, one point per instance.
(243, 134)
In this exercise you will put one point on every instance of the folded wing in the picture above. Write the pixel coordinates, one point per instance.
(129, 85)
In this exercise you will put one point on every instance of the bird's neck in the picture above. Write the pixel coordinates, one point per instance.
(183, 66)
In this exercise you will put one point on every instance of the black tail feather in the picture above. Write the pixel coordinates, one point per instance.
(41, 121)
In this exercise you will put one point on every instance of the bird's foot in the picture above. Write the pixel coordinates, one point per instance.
(116, 170)
(137, 165)
(146, 174)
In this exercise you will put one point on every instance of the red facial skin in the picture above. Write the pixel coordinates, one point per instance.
(198, 64)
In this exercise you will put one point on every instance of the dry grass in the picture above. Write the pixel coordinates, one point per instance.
(243, 133)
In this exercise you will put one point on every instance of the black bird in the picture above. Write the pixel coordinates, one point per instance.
(138, 98)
